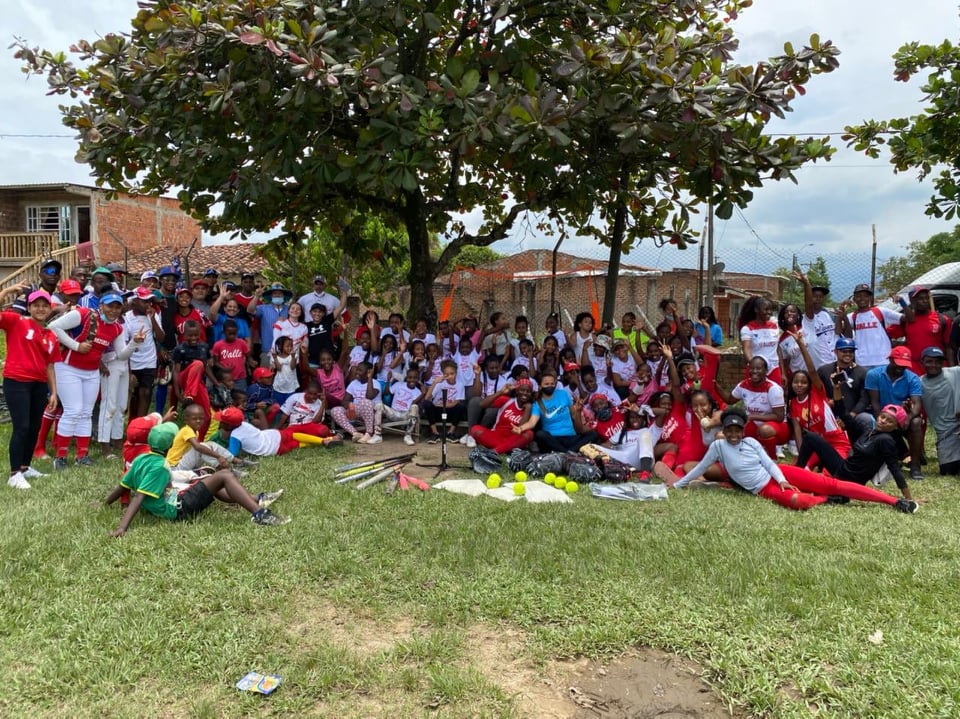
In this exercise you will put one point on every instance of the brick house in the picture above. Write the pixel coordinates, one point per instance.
(521, 284)
(78, 224)
(229, 260)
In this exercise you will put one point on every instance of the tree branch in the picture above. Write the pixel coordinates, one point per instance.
(499, 232)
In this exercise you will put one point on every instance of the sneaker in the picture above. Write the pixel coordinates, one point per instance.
(462, 440)
(455, 438)
(780, 454)
(408, 440)
(434, 438)
(375, 439)
(265, 499)
(837, 499)
(916, 475)
(357, 437)
(59, 464)
(266, 518)
(907, 506)
(364, 439)
(83, 462)
(471, 442)
(792, 447)
(31, 473)
(17, 481)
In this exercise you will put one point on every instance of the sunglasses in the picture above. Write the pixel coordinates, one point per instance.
(50, 270)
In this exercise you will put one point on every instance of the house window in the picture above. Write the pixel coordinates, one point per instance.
(51, 218)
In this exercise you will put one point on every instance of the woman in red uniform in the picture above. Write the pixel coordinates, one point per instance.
(28, 377)
(78, 375)
(506, 434)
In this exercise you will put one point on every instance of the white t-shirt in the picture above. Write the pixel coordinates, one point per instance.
(873, 343)
(455, 393)
(465, 363)
(821, 337)
(358, 354)
(625, 368)
(759, 401)
(358, 390)
(286, 379)
(791, 354)
(606, 391)
(145, 354)
(403, 396)
(299, 410)
(764, 338)
(260, 443)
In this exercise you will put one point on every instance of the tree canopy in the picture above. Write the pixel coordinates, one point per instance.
(293, 113)
(927, 141)
(816, 272)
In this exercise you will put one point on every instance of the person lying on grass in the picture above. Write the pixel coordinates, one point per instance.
(189, 453)
(749, 466)
(149, 481)
(239, 435)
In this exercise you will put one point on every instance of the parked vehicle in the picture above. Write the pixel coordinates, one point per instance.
(944, 285)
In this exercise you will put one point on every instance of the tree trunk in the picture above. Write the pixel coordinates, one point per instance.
(613, 268)
(422, 267)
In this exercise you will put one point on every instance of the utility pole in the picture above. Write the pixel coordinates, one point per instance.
(711, 260)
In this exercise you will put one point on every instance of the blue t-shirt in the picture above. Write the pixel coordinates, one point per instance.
(555, 417)
(891, 392)
(243, 327)
(269, 314)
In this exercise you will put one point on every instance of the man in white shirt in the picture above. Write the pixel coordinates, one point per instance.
(868, 325)
(819, 327)
(319, 296)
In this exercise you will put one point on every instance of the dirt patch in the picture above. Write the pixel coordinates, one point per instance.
(322, 621)
(644, 684)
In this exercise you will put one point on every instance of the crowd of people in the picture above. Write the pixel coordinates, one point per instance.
(848, 391)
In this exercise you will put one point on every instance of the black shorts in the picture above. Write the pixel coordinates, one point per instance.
(145, 377)
(193, 501)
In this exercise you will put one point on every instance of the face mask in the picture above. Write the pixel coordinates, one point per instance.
(604, 414)
(277, 301)
(548, 391)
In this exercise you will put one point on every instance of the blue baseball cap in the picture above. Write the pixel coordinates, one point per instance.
(110, 298)
(845, 343)
(168, 270)
(932, 352)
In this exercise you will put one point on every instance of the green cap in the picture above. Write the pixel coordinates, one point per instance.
(102, 271)
(161, 437)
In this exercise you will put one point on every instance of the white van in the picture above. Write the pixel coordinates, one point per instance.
(944, 285)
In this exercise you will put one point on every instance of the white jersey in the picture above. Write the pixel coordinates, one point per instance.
(762, 400)
(403, 396)
(625, 368)
(299, 410)
(358, 390)
(821, 336)
(873, 343)
(260, 443)
(763, 338)
(145, 354)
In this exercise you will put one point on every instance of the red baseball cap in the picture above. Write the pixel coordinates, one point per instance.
(901, 357)
(231, 417)
(571, 367)
(70, 287)
(261, 372)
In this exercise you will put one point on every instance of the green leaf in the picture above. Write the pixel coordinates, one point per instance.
(470, 81)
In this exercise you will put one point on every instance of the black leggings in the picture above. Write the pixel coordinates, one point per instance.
(26, 401)
(552, 443)
(830, 458)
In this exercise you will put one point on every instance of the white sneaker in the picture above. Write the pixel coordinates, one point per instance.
(779, 451)
(17, 481)
(31, 473)
(463, 439)
(792, 447)
(471, 442)
(364, 439)
(408, 440)
(375, 439)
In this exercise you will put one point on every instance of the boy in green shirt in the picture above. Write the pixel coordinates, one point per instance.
(149, 482)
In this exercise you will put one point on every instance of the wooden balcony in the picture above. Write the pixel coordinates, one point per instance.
(29, 270)
(19, 248)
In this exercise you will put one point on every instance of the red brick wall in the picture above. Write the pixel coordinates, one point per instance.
(136, 224)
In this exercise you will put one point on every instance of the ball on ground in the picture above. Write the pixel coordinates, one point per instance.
(571, 487)
(550, 478)
(493, 481)
(520, 476)
(560, 482)
(519, 489)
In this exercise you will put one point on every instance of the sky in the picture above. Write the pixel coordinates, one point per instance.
(829, 213)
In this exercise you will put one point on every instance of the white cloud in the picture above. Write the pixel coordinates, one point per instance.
(833, 206)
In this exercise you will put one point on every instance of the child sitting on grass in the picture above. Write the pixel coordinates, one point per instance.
(189, 452)
(149, 482)
(241, 436)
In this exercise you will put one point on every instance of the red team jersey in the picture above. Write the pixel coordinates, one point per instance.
(103, 338)
(30, 348)
(759, 400)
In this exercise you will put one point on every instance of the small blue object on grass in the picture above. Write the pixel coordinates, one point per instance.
(259, 683)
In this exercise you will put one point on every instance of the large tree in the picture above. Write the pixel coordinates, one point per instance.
(931, 140)
(288, 113)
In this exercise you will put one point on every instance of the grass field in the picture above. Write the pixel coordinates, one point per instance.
(368, 604)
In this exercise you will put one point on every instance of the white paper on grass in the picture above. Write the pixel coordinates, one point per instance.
(536, 492)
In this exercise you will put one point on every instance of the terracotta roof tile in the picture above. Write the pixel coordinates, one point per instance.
(227, 259)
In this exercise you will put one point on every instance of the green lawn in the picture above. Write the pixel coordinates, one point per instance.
(778, 606)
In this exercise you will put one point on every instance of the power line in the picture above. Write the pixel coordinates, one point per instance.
(755, 234)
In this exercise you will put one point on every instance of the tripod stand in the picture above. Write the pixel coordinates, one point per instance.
(443, 466)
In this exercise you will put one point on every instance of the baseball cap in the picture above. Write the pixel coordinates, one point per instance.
(916, 291)
(825, 289)
(199, 283)
(161, 437)
(901, 357)
(210, 272)
(116, 267)
(320, 278)
(602, 341)
(148, 275)
(248, 274)
(183, 290)
(103, 271)
(862, 287)
(167, 270)
(144, 293)
(70, 287)
(231, 417)
(571, 367)
(733, 416)
(261, 373)
(231, 286)
(932, 352)
(37, 295)
(52, 263)
(845, 343)
(898, 413)
(111, 298)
